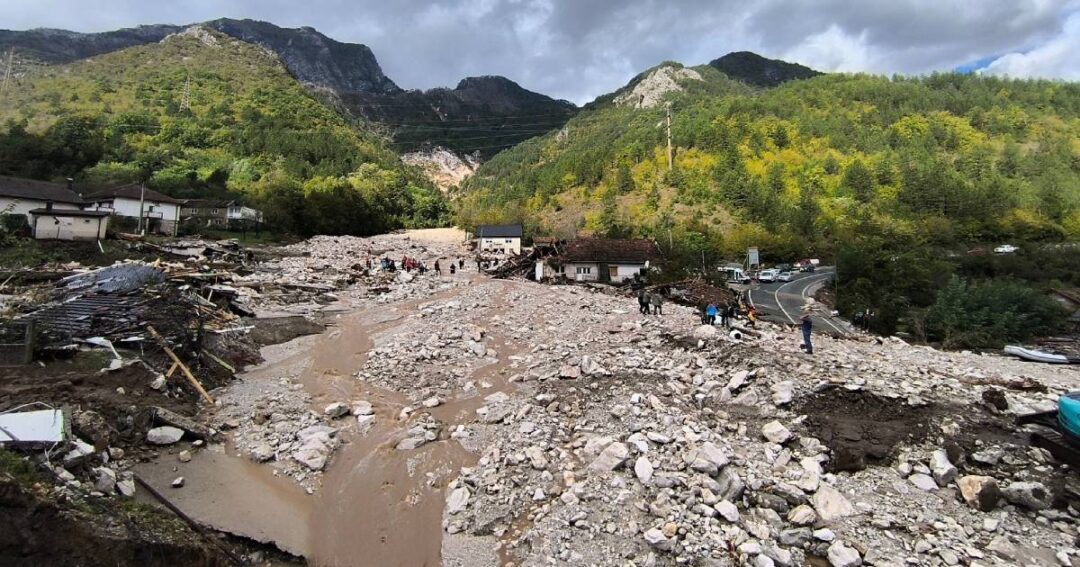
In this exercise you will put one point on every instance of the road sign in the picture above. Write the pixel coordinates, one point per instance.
(752, 258)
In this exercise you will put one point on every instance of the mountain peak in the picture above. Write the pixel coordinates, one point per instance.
(312, 57)
(753, 69)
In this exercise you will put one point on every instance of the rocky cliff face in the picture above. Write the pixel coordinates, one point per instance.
(649, 91)
(759, 71)
(313, 58)
(480, 115)
(445, 168)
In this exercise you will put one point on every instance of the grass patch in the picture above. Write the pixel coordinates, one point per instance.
(17, 467)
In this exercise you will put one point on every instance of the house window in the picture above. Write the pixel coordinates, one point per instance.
(508, 241)
(584, 270)
(213, 211)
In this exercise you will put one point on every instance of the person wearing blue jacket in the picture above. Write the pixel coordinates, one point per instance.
(710, 314)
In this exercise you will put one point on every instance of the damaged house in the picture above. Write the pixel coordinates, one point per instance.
(604, 260)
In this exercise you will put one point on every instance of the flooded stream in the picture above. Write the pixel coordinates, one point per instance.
(377, 505)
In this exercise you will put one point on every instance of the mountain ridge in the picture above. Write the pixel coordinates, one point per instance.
(350, 78)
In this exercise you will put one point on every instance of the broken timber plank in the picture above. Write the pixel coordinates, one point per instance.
(183, 368)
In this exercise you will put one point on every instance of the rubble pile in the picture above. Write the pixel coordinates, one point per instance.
(305, 277)
(602, 434)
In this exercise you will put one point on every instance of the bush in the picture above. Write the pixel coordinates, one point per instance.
(990, 314)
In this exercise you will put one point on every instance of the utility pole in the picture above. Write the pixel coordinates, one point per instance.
(7, 73)
(142, 202)
(670, 155)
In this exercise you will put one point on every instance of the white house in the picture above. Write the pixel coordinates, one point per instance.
(51, 223)
(161, 213)
(499, 238)
(20, 196)
(599, 260)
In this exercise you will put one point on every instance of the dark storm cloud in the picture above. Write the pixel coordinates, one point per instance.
(578, 49)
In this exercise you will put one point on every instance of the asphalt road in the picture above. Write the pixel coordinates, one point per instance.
(783, 301)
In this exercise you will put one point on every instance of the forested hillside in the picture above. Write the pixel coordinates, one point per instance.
(839, 166)
(203, 114)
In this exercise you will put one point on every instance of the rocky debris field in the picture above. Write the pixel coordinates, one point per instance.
(272, 418)
(599, 436)
(602, 436)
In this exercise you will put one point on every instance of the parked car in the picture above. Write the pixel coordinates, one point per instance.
(1005, 249)
(808, 268)
(767, 276)
(784, 276)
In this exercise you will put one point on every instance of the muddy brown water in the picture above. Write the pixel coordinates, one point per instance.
(376, 505)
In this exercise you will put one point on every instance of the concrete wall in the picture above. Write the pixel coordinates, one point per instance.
(59, 227)
(501, 245)
(24, 206)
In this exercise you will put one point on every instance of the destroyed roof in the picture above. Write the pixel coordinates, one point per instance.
(69, 213)
(133, 191)
(610, 250)
(498, 231)
(19, 188)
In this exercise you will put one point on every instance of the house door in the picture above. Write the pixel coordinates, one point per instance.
(613, 273)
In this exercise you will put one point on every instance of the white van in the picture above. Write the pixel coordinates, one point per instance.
(767, 276)
(735, 275)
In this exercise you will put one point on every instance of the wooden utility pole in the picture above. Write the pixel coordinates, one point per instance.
(7, 73)
(670, 154)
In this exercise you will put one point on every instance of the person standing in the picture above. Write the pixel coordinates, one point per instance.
(453, 268)
(643, 302)
(807, 328)
(710, 314)
(731, 310)
(751, 316)
(657, 302)
(461, 263)
(438, 269)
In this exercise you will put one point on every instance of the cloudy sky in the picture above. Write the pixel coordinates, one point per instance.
(578, 49)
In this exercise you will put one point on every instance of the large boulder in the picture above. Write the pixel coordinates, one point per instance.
(1031, 495)
(458, 500)
(841, 555)
(980, 492)
(943, 470)
(830, 504)
(613, 456)
(164, 435)
(775, 432)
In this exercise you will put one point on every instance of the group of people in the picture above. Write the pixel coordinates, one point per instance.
(454, 266)
(650, 302)
(726, 312)
(864, 318)
(410, 264)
